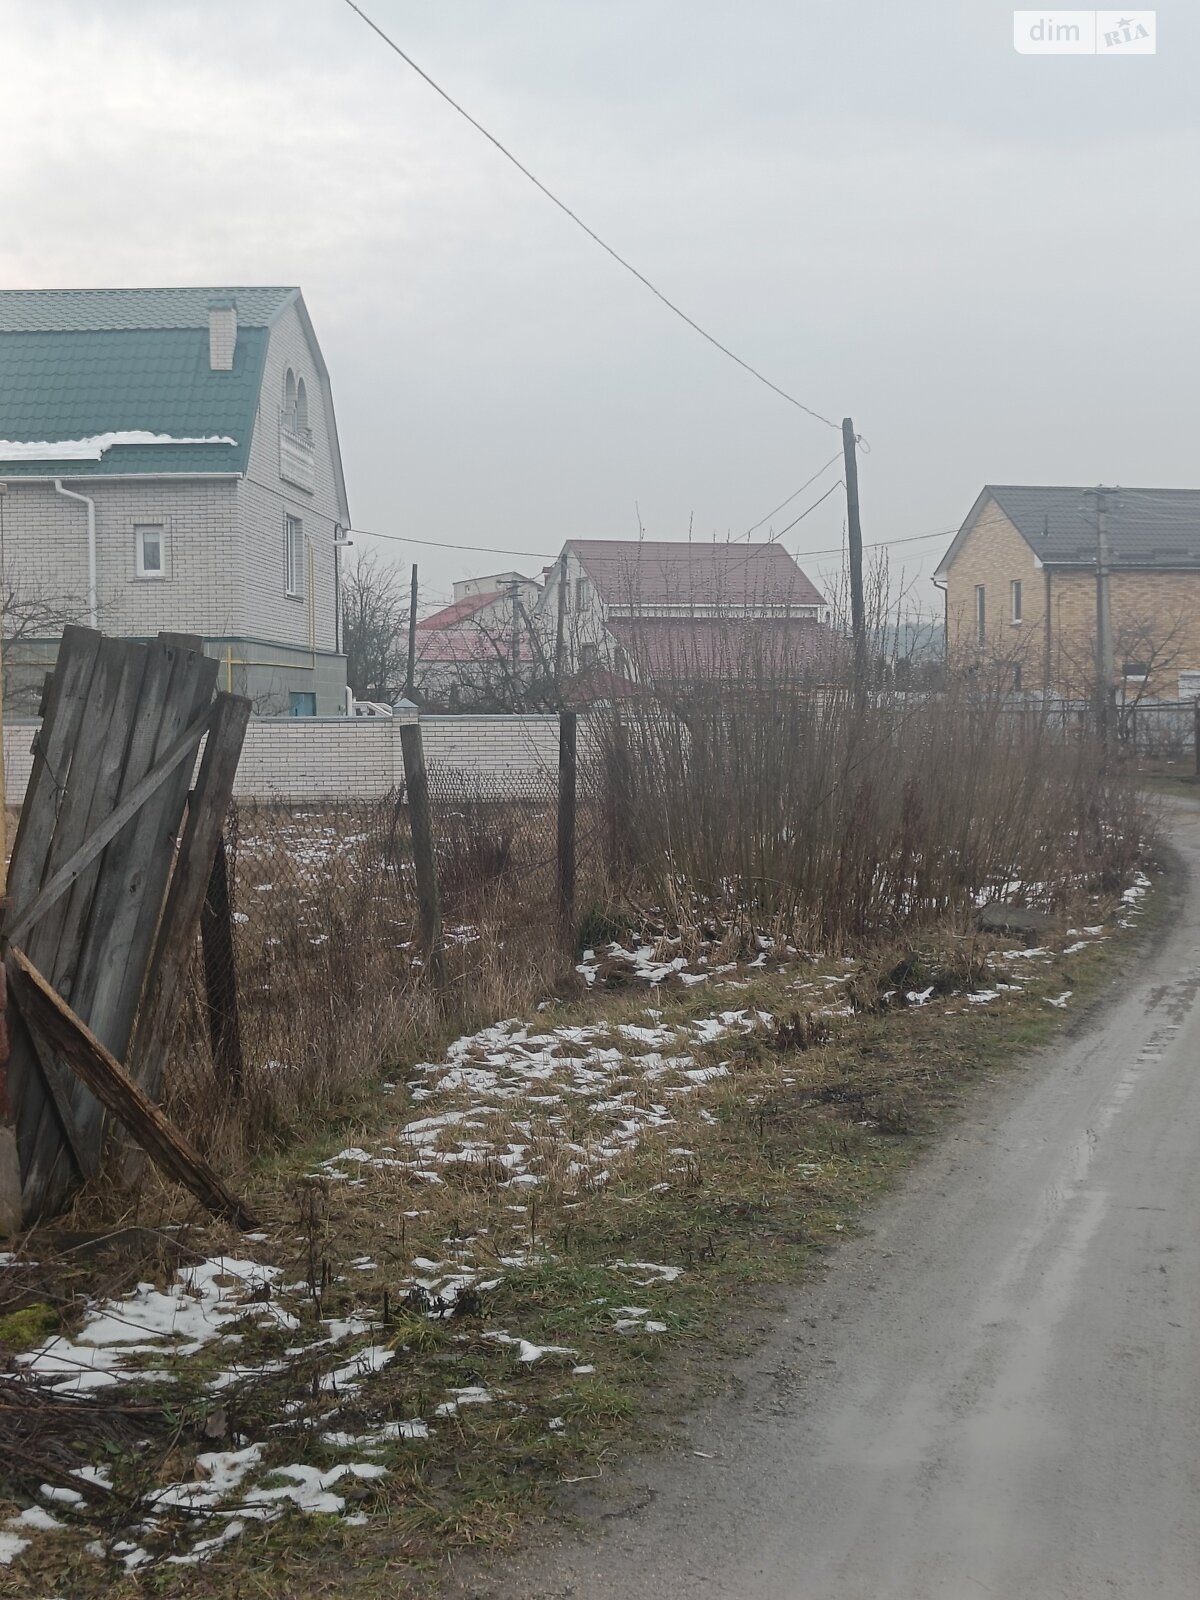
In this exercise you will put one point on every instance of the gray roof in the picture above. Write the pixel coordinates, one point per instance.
(1146, 527)
(108, 310)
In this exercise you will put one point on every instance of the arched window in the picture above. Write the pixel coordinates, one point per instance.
(289, 401)
(301, 407)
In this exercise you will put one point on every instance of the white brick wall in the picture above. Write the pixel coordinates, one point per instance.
(45, 553)
(308, 758)
(224, 537)
(265, 498)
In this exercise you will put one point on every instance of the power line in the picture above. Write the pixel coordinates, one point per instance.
(579, 222)
(789, 499)
(880, 544)
(803, 514)
(540, 555)
(445, 544)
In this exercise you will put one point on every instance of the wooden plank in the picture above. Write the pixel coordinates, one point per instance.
(53, 1075)
(110, 766)
(54, 941)
(40, 1128)
(159, 826)
(62, 879)
(61, 714)
(128, 896)
(176, 941)
(220, 976)
(108, 1081)
(416, 780)
(116, 870)
(62, 710)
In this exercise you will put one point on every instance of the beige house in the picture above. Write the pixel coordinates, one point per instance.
(1020, 581)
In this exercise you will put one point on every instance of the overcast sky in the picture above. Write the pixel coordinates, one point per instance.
(989, 260)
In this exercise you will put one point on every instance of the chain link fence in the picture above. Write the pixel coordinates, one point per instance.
(312, 969)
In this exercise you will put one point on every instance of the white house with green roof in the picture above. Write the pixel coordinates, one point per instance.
(169, 460)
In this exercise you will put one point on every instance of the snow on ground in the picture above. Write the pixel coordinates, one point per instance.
(528, 1103)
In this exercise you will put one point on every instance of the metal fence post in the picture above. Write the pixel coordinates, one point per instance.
(567, 771)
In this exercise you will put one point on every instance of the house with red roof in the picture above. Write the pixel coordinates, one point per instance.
(480, 647)
(668, 611)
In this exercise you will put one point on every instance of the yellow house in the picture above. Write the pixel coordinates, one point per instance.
(1021, 584)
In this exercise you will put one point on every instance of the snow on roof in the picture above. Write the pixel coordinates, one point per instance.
(91, 449)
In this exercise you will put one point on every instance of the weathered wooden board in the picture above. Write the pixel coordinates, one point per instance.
(94, 855)
(175, 944)
(108, 1081)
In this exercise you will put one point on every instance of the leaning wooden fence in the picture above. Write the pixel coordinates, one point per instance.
(109, 873)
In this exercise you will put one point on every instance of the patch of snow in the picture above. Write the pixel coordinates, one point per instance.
(36, 1517)
(96, 444)
(11, 1545)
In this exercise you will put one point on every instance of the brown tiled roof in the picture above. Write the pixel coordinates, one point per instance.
(663, 572)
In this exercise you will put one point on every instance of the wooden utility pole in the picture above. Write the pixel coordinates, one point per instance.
(560, 627)
(410, 677)
(567, 772)
(514, 643)
(858, 620)
(416, 780)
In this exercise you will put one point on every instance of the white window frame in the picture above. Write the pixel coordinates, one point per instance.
(1015, 595)
(980, 614)
(140, 529)
(293, 556)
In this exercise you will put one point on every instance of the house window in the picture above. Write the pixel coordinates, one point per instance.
(289, 401)
(581, 594)
(148, 546)
(588, 656)
(1016, 599)
(301, 423)
(980, 614)
(293, 555)
(302, 703)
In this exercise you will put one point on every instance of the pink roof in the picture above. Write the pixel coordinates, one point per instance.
(456, 611)
(467, 645)
(662, 572)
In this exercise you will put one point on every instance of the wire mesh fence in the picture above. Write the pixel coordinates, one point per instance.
(312, 964)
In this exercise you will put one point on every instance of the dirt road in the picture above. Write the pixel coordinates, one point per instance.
(998, 1391)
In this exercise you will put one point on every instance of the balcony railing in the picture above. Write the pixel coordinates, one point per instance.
(297, 457)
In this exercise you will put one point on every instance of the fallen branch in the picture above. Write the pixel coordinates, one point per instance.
(78, 1046)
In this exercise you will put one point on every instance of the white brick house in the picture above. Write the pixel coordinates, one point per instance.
(169, 460)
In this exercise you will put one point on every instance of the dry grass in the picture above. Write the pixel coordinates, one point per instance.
(754, 1177)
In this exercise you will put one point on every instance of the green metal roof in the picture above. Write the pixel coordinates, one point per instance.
(93, 310)
(76, 363)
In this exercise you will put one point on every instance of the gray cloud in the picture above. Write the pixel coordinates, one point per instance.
(989, 259)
